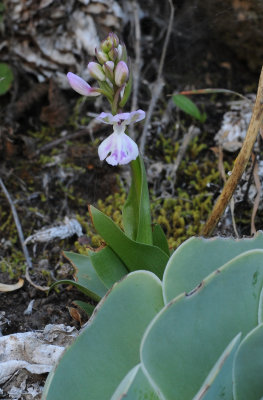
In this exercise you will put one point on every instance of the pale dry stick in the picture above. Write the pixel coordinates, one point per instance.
(136, 68)
(21, 236)
(223, 175)
(240, 163)
(158, 86)
(257, 199)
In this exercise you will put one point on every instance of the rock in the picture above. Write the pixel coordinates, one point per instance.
(25, 357)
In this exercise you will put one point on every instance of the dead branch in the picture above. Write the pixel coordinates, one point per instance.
(223, 175)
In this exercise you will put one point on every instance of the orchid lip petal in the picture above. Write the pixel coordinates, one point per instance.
(80, 86)
(118, 149)
(106, 146)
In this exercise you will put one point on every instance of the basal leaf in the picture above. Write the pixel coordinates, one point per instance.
(159, 239)
(108, 266)
(134, 255)
(86, 275)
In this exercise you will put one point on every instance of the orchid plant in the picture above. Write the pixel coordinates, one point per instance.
(138, 246)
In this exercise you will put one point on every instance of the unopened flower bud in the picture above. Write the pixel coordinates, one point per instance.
(96, 71)
(121, 73)
(108, 68)
(106, 45)
(101, 56)
(120, 51)
(113, 54)
(114, 39)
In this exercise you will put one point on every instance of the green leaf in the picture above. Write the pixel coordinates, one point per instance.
(187, 337)
(108, 266)
(219, 383)
(6, 78)
(159, 239)
(134, 255)
(108, 346)
(135, 386)
(82, 288)
(248, 367)
(86, 278)
(186, 105)
(189, 265)
(136, 210)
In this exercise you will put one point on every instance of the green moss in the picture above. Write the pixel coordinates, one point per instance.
(14, 264)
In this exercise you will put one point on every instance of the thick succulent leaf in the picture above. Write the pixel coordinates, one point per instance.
(135, 386)
(108, 347)
(134, 255)
(86, 278)
(219, 383)
(199, 325)
(248, 367)
(198, 257)
(136, 211)
(108, 266)
(159, 239)
(260, 308)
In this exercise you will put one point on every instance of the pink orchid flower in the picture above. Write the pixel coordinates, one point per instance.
(119, 148)
(80, 86)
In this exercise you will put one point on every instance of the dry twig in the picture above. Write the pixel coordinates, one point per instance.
(158, 86)
(240, 163)
(21, 236)
(223, 175)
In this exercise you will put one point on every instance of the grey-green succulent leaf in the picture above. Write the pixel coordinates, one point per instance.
(219, 383)
(198, 257)
(140, 345)
(108, 346)
(135, 386)
(248, 367)
(186, 338)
